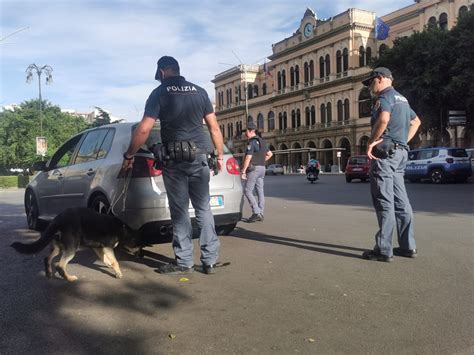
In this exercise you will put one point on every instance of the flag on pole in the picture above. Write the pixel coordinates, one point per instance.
(265, 69)
(381, 29)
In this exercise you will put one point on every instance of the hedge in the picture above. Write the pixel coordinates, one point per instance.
(13, 181)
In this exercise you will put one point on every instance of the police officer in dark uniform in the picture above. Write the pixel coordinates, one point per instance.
(253, 171)
(181, 107)
(394, 124)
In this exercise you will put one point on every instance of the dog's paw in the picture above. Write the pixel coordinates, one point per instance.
(72, 278)
(118, 275)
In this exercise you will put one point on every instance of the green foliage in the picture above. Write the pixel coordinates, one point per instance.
(19, 129)
(8, 182)
(102, 119)
(434, 69)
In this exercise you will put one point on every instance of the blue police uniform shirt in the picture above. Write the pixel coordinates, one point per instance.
(401, 114)
(180, 106)
(257, 145)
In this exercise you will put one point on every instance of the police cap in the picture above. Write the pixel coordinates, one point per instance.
(380, 71)
(251, 126)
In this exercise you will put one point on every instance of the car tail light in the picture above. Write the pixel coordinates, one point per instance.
(449, 160)
(151, 167)
(232, 166)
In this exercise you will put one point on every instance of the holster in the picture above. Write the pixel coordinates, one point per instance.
(384, 149)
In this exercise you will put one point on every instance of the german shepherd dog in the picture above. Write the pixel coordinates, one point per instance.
(84, 227)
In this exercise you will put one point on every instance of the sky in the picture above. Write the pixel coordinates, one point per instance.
(104, 52)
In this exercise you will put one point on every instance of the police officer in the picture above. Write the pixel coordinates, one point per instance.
(253, 171)
(181, 106)
(394, 124)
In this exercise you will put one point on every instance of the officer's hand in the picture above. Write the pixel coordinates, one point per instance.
(220, 164)
(244, 176)
(127, 164)
(370, 147)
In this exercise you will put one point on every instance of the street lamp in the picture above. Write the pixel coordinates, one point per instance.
(49, 79)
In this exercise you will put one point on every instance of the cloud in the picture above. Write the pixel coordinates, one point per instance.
(104, 53)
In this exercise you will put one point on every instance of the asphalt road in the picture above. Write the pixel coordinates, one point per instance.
(296, 283)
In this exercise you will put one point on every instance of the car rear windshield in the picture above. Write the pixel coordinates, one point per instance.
(457, 153)
(358, 161)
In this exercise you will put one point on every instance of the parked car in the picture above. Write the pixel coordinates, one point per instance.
(358, 167)
(274, 169)
(470, 153)
(438, 165)
(86, 172)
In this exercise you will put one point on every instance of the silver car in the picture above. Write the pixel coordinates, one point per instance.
(86, 172)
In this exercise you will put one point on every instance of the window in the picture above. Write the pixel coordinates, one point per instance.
(338, 62)
(271, 121)
(368, 55)
(298, 118)
(323, 114)
(250, 91)
(311, 70)
(255, 90)
(106, 144)
(292, 77)
(280, 121)
(90, 146)
(361, 56)
(364, 103)
(328, 113)
(62, 157)
(297, 75)
(260, 122)
(249, 119)
(321, 67)
(443, 21)
(306, 72)
(313, 116)
(264, 89)
(432, 23)
(462, 10)
(283, 79)
(345, 59)
(307, 117)
(327, 64)
(293, 118)
(340, 114)
(382, 48)
(346, 110)
(285, 120)
(279, 81)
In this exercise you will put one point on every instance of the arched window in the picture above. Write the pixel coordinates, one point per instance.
(364, 103)
(292, 77)
(297, 75)
(323, 114)
(443, 21)
(264, 89)
(280, 121)
(340, 114)
(279, 80)
(306, 72)
(311, 70)
(249, 119)
(382, 48)
(250, 91)
(321, 67)
(362, 56)
(307, 117)
(338, 62)
(283, 79)
(432, 23)
(298, 118)
(462, 10)
(237, 94)
(368, 55)
(313, 115)
(328, 113)
(293, 118)
(255, 90)
(327, 64)
(346, 110)
(271, 121)
(230, 96)
(285, 120)
(345, 59)
(260, 122)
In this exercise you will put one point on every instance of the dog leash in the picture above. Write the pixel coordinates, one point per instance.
(123, 193)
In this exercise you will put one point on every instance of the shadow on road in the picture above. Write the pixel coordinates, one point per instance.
(297, 243)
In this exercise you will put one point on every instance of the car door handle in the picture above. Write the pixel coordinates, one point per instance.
(90, 172)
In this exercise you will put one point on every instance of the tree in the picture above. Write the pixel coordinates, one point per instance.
(434, 69)
(19, 129)
(102, 119)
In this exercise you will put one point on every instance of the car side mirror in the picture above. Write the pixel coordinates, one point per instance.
(39, 166)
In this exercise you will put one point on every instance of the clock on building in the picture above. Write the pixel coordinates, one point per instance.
(308, 30)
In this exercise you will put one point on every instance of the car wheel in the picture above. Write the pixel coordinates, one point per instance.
(348, 179)
(225, 229)
(437, 176)
(100, 205)
(32, 212)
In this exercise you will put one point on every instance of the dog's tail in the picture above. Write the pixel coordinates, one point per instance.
(46, 238)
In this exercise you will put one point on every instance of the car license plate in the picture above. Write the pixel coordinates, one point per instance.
(357, 169)
(217, 201)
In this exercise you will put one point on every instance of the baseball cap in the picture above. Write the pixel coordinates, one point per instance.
(165, 62)
(380, 71)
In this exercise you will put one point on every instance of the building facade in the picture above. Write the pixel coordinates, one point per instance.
(308, 100)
